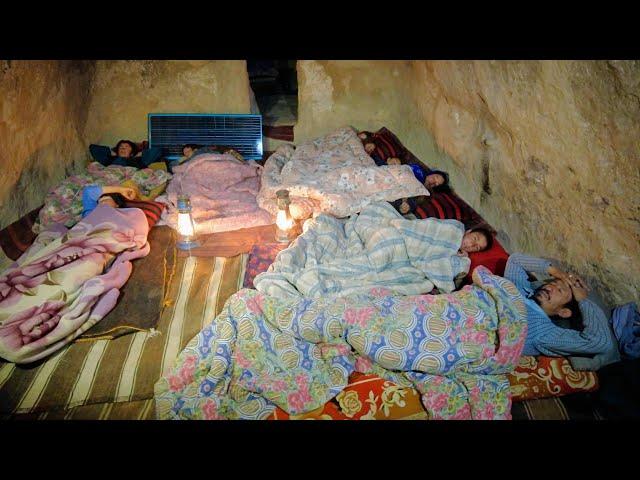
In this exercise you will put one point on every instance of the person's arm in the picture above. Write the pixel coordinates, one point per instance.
(101, 154)
(90, 196)
(151, 155)
(519, 264)
(593, 339)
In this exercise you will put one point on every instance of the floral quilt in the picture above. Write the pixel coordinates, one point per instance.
(333, 174)
(63, 204)
(262, 352)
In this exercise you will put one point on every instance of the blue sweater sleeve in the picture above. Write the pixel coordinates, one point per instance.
(90, 196)
(593, 339)
(519, 264)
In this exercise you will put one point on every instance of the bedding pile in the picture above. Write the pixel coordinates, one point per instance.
(57, 289)
(376, 248)
(222, 190)
(333, 174)
(63, 204)
(261, 352)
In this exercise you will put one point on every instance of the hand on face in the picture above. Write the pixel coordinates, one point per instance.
(578, 286)
(128, 193)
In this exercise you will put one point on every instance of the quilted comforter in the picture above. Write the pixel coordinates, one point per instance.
(222, 190)
(375, 248)
(333, 174)
(261, 352)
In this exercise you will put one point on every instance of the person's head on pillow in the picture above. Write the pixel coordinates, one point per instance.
(437, 181)
(476, 240)
(559, 299)
(114, 200)
(125, 149)
(189, 149)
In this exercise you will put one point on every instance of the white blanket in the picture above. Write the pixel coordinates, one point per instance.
(377, 248)
(333, 174)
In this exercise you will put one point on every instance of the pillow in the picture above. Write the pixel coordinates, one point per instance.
(152, 210)
(543, 377)
(366, 397)
(495, 259)
(448, 205)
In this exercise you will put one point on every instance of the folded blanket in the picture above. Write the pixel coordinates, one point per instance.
(222, 190)
(262, 352)
(333, 174)
(63, 204)
(57, 289)
(377, 248)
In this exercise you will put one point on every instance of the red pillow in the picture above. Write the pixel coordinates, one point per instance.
(495, 259)
(152, 210)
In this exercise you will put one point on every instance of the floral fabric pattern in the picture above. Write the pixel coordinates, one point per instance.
(333, 174)
(263, 352)
(541, 377)
(63, 204)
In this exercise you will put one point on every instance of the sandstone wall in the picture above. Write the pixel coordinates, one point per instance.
(124, 92)
(549, 153)
(43, 111)
(366, 94)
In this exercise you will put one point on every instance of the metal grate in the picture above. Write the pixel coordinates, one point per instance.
(172, 130)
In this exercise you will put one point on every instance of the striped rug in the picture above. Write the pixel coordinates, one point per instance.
(84, 379)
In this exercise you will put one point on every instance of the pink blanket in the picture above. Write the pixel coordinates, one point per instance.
(223, 193)
(58, 289)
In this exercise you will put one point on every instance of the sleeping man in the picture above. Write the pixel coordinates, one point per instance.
(561, 319)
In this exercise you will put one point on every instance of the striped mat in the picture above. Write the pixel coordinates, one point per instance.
(84, 379)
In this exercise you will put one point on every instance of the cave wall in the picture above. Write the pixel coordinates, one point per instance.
(549, 153)
(43, 111)
(366, 94)
(125, 91)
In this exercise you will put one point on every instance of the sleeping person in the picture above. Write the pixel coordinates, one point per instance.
(561, 319)
(476, 240)
(126, 155)
(113, 196)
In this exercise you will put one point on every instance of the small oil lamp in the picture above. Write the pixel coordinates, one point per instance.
(284, 222)
(186, 226)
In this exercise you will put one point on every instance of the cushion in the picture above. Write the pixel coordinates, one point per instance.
(449, 205)
(495, 259)
(366, 397)
(152, 210)
(541, 377)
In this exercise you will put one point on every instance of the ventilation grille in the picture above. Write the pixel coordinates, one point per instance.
(171, 131)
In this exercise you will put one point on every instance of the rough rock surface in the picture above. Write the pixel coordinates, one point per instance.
(365, 94)
(549, 153)
(125, 91)
(43, 111)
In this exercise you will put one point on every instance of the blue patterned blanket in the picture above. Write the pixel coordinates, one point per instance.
(261, 351)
